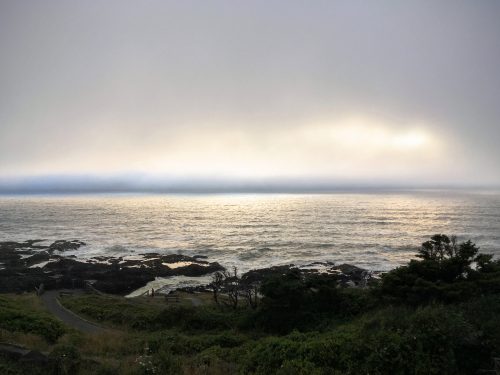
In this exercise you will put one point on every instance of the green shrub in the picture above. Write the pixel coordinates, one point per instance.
(167, 363)
(299, 367)
(298, 301)
(484, 313)
(445, 274)
(430, 340)
(65, 359)
(16, 317)
(202, 318)
(115, 310)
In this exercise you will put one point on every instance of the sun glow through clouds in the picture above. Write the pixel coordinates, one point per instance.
(369, 136)
(352, 147)
(347, 148)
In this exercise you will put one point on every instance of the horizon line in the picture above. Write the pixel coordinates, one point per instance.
(147, 184)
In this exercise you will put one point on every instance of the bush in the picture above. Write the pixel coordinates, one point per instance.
(14, 316)
(483, 313)
(183, 344)
(445, 274)
(302, 301)
(65, 359)
(167, 363)
(203, 318)
(115, 310)
(429, 340)
(298, 367)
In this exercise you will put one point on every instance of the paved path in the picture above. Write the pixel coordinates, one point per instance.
(51, 302)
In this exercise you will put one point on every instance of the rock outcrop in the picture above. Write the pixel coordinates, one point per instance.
(27, 265)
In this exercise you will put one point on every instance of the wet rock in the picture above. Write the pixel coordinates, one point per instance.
(151, 255)
(346, 275)
(109, 274)
(12, 281)
(123, 281)
(12, 245)
(197, 270)
(259, 275)
(175, 258)
(37, 258)
(350, 276)
(64, 245)
(119, 275)
(10, 258)
(200, 257)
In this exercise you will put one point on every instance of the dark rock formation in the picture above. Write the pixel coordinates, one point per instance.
(259, 275)
(122, 275)
(346, 275)
(63, 245)
(107, 274)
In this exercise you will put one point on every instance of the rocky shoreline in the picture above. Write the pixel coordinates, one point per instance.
(27, 265)
(24, 266)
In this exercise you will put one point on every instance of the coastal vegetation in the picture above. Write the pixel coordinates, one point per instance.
(439, 314)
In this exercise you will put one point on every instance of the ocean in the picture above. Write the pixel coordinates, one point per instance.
(374, 230)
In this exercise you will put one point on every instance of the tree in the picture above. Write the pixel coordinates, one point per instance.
(448, 271)
(228, 283)
(250, 292)
(438, 248)
(441, 247)
(217, 284)
(232, 287)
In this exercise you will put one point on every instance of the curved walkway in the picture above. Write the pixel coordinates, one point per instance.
(51, 302)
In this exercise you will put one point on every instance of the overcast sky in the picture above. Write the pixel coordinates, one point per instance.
(333, 92)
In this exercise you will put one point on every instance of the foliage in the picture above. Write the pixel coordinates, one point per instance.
(303, 301)
(128, 313)
(429, 340)
(446, 273)
(234, 286)
(65, 359)
(116, 310)
(436, 315)
(16, 316)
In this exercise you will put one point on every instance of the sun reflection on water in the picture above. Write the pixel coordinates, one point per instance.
(378, 231)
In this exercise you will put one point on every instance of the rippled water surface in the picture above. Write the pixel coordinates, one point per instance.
(376, 230)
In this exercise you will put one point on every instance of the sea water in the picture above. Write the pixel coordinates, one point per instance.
(375, 230)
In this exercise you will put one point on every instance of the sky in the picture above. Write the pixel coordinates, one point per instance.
(121, 94)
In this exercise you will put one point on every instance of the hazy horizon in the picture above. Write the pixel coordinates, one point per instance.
(86, 184)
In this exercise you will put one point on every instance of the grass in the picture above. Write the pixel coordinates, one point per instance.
(25, 314)
(412, 322)
(171, 337)
(152, 314)
(115, 311)
(183, 339)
